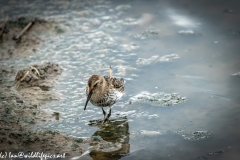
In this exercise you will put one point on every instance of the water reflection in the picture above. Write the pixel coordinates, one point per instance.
(116, 131)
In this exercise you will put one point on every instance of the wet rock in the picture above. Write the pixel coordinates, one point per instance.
(97, 138)
(74, 147)
(157, 99)
(107, 146)
(78, 140)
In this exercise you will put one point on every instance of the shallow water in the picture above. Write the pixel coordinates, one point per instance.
(197, 45)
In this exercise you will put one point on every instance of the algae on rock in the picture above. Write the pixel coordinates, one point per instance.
(157, 99)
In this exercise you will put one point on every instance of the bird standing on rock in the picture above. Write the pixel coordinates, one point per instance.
(104, 91)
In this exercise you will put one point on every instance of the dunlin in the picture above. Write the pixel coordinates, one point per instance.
(104, 91)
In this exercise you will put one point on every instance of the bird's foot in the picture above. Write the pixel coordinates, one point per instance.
(105, 120)
(109, 114)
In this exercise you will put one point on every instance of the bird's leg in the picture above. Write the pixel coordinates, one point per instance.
(109, 114)
(110, 71)
(104, 113)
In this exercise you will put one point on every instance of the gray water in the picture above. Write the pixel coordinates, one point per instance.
(197, 44)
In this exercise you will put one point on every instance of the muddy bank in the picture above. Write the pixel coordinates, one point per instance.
(13, 45)
(34, 83)
(20, 109)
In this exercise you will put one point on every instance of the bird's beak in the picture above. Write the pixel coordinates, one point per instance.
(89, 96)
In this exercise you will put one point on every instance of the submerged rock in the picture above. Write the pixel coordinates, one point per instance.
(194, 136)
(97, 138)
(198, 135)
(157, 99)
(151, 32)
(78, 140)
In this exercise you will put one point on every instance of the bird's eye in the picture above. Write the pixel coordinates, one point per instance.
(95, 85)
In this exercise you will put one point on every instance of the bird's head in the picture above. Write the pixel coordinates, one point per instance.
(95, 85)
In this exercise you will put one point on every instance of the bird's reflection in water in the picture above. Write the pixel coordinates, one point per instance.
(115, 135)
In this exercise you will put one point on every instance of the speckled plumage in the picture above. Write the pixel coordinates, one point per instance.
(111, 93)
(104, 91)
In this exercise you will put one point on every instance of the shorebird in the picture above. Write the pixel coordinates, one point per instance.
(104, 91)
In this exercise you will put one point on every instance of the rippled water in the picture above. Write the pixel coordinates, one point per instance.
(185, 47)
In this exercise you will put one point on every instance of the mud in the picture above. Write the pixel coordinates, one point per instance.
(38, 75)
(21, 109)
(29, 42)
